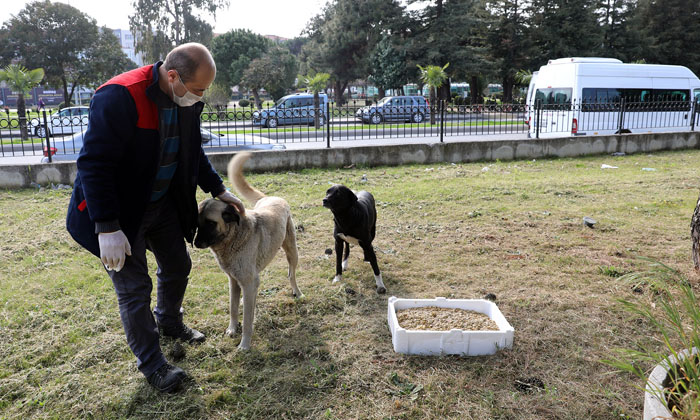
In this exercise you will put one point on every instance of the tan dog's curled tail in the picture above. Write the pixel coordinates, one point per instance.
(235, 175)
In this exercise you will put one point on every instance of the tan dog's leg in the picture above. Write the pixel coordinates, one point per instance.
(250, 293)
(289, 245)
(234, 294)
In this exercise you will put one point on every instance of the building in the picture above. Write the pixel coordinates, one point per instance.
(127, 41)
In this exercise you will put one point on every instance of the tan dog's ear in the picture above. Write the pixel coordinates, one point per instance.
(230, 215)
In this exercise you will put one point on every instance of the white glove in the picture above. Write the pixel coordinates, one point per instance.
(228, 197)
(114, 247)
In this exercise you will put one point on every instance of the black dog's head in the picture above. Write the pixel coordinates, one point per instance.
(215, 222)
(339, 197)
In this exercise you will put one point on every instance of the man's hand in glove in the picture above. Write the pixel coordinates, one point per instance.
(114, 247)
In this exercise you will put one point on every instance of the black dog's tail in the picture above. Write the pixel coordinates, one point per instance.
(235, 174)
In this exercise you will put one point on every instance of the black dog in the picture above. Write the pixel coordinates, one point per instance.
(355, 219)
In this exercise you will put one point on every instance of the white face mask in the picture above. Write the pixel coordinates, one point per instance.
(188, 99)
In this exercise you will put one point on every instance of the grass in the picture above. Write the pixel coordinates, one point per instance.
(457, 231)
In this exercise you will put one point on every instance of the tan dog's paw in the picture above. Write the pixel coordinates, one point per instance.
(244, 346)
(233, 329)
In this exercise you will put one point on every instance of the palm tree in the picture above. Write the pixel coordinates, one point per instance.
(316, 83)
(433, 76)
(21, 80)
(523, 77)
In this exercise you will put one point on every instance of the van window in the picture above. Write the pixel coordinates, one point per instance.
(554, 96)
(601, 99)
(307, 101)
(696, 95)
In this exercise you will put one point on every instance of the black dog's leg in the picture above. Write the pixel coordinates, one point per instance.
(346, 255)
(338, 259)
(372, 258)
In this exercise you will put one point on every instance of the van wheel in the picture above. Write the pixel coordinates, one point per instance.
(417, 118)
(271, 123)
(40, 131)
(376, 118)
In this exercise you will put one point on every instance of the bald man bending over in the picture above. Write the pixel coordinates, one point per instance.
(138, 173)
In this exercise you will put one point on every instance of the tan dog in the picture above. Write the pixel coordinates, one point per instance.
(245, 245)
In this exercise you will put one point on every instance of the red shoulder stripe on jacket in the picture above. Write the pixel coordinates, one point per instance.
(136, 81)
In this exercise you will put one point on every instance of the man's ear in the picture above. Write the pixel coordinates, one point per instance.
(230, 215)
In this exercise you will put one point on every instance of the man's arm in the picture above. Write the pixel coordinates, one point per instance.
(209, 181)
(112, 122)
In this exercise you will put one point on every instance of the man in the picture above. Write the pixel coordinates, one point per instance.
(138, 172)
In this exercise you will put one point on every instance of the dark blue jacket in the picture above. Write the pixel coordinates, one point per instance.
(120, 156)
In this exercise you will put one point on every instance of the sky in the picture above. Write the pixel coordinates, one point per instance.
(285, 18)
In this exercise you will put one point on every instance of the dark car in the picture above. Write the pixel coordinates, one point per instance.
(395, 108)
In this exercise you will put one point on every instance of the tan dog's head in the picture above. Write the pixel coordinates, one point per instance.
(216, 221)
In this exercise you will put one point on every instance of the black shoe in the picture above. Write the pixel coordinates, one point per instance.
(184, 333)
(167, 378)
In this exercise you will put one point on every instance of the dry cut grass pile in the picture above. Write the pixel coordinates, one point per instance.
(511, 229)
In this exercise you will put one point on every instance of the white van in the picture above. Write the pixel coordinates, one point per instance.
(591, 96)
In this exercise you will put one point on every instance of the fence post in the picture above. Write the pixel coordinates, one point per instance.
(328, 124)
(46, 136)
(538, 117)
(693, 111)
(441, 112)
(622, 115)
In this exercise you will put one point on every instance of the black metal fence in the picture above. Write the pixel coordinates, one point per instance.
(594, 118)
(59, 134)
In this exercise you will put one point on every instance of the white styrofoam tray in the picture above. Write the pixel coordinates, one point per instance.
(456, 341)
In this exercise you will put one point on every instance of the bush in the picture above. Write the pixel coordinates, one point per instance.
(244, 103)
(673, 313)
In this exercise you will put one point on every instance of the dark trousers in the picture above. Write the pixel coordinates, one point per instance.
(160, 233)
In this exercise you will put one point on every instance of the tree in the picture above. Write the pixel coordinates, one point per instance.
(316, 83)
(433, 76)
(671, 26)
(563, 28)
(102, 60)
(523, 77)
(22, 81)
(282, 71)
(508, 42)
(66, 43)
(254, 79)
(387, 65)
(7, 52)
(233, 53)
(622, 34)
(217, 96)
(275, 72)
(343, 35)
(160, 25)
(452, 31)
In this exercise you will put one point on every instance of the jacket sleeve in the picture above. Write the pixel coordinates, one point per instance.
(112, 122)
(209, 180)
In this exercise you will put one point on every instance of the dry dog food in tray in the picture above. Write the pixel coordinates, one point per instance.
(435, 318)
(468, 327)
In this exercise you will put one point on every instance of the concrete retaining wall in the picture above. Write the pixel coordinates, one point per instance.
(21, 176)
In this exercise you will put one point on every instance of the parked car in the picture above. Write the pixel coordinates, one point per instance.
(395, 108)
(68, 148)
(65, 121)
(238, 142)
(292, 109)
